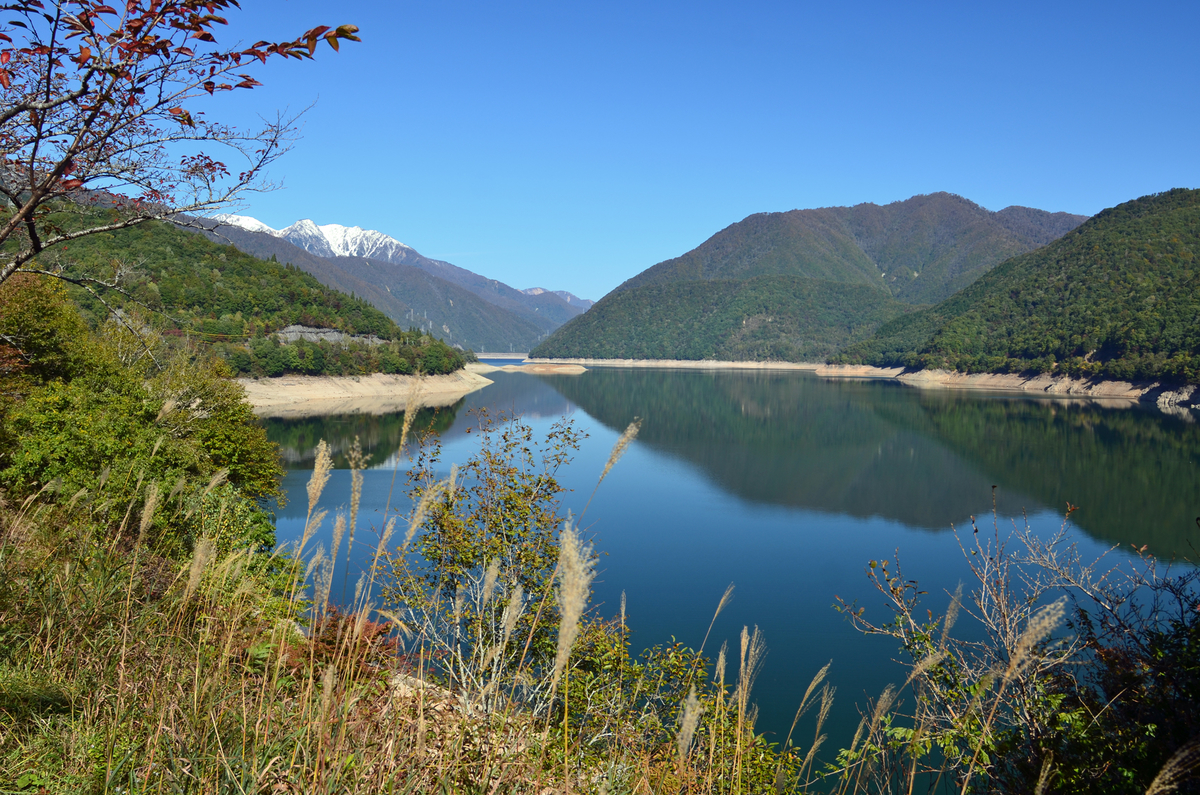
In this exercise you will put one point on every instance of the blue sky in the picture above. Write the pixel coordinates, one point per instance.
(572, 145)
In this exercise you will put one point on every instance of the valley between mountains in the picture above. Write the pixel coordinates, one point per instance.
(932, 282)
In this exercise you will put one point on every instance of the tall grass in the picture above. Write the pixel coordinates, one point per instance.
(231, 671)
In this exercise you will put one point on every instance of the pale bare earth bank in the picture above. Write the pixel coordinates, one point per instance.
(298, 396)
(1165, 396)
(535, 368)
(1169, 398)
(682, 364)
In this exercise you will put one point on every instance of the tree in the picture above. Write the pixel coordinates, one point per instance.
(99, 126)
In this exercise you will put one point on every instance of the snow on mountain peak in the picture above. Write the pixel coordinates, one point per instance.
(243, 222)
(335, 240)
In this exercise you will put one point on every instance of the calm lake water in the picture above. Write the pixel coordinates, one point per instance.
(786, 485)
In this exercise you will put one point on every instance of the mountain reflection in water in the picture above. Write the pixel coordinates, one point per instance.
(787, 484)
(924, 458)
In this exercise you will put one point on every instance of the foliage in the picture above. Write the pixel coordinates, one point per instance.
(1028, 706)
(100, 98)
(105, 420)
(43, 333)
(1117, 298)
(918, 250)
(474, 585)
(765, 318)
(194, 290)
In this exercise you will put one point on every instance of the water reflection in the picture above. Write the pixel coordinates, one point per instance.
(928, 459)
(787, 484)
(924, 458)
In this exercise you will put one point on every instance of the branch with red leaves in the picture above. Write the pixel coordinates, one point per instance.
(100, 106)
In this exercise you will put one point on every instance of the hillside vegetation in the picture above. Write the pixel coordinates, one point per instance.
(181, 285)
(846, 270)
(444, 300)
(1119, 297)
(919, 251)
(764, 318)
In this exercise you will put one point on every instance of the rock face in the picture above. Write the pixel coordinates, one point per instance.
(295, 332)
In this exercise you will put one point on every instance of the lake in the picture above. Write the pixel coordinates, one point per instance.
(786, 485)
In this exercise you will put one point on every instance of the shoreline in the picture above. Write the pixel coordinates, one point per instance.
(682, 364)
(302, 396)
(535, 368)
(1167, 397)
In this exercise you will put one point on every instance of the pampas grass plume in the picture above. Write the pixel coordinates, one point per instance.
(575, 567)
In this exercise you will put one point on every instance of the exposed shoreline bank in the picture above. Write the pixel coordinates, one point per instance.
(1164, 396)
(535, 368)
(681, 364)
(300, 396)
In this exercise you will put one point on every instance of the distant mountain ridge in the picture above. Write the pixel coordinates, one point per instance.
(1118, 297)
(920, 250)
(570, 298)
(801, 285)
(461, 306)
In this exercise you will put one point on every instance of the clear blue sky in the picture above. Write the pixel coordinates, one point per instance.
(572, 145)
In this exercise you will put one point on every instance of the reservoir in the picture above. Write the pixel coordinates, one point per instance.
(787, 485)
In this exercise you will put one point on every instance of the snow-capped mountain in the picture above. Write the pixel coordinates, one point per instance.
(353, 248)
(335, 240)
(245, 222)
(328, 240)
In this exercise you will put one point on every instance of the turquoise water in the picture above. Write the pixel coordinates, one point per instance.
(786, 485)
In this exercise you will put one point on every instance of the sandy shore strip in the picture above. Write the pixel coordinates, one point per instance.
(1162, 395)
(537, 368)
(299, 396)
(1165, 396)
(681, 364)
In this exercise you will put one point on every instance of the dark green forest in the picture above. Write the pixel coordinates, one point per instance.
(765, 318)
(1117, 298)
(801, 285)
(183, 286)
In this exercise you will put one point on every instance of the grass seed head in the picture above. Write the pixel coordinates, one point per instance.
(575, 569)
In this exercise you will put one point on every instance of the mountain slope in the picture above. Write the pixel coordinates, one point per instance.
(920, 250)
(186, 286)
(1118, 297)
(546, 310)
(407, 294)
(764, 318)
(802, 284)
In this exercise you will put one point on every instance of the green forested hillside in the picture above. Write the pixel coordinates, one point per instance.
(408, 294)
(764, 318)
(920, 250)
(184, 285)
(802, 284)
(1119, 297)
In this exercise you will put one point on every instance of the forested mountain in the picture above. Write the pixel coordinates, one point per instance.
(765, 318)
(803, 284)
(408, 295)
(184, 285)
(1119, 297)
(920, 250)
(535, 313)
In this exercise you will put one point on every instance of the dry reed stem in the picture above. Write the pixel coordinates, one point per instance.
(489, 581)
(575, 569)
(725, 599)
(691, 719)
(1036, 630)
(619, 448)
(148, 511)
(214, 483)
(1177, 769)
(320, 475)
(201, 557)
